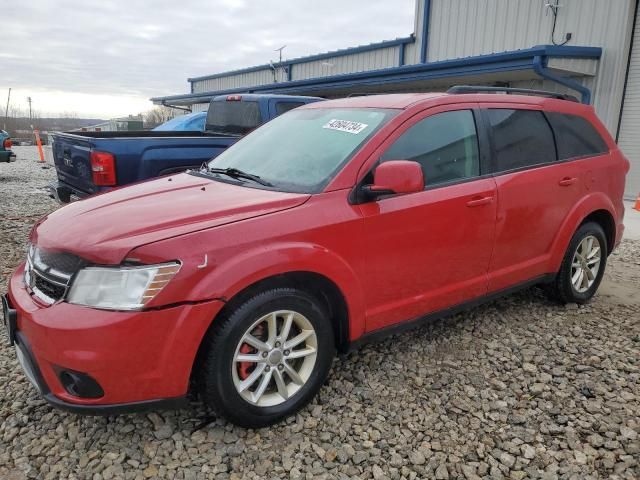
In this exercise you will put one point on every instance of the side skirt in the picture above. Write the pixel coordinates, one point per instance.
(401, 327)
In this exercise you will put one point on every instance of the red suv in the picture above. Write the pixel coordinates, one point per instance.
(331, 225)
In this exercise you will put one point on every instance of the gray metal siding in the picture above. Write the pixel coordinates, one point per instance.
(250, 79)
(358, 62)
(573, 66)
(629, 139)
(412, 50)
(199, 107)
(462, 28)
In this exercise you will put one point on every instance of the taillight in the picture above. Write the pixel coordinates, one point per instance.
(103, 168)
(7, 144)
(234, 98)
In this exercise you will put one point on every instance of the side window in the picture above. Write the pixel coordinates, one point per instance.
(284, 107)
(575, 136)
(445, 145)
(521, 138)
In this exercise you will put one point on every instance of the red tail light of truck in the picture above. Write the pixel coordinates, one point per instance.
(7, 144)
(103, 168)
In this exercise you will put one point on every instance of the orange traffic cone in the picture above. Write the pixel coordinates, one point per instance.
(637, 205)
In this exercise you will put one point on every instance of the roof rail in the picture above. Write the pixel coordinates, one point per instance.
(525, 91)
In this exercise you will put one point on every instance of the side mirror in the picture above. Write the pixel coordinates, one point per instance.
(396, 176)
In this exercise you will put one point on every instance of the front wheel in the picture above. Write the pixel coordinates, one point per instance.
(582, 267)
(267, 358)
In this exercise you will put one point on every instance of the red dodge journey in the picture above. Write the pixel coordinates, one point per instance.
(331, 225)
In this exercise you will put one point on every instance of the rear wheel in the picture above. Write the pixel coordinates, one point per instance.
(267, 358)
(582, 267)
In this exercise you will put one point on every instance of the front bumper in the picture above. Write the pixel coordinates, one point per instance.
(141, 360)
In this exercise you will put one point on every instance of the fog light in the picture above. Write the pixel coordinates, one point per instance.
(80, 384)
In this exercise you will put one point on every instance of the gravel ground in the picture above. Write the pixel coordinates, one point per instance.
(519, 388)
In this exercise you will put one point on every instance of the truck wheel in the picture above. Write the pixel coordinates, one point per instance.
(267, 358)
(582, 267)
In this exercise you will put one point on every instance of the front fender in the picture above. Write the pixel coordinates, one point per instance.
(241, 271)
(587, 205)
(223, 274)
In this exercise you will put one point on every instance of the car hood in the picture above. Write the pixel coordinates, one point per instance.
(104, 228)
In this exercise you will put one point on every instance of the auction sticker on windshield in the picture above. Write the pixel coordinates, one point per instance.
(346, 126)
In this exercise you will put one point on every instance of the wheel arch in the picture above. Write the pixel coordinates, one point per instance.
(596, 207)
(605, 220)
(320, 286)
(325, 290)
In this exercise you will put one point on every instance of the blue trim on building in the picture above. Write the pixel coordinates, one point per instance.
(492, 63)
(311, 58)
(540, 67)
(424, 45)
(401, 50)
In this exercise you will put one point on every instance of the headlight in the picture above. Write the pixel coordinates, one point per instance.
(122, 288)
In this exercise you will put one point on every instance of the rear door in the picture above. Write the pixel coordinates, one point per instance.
(536, 192)
(430, 250)
(72, 158)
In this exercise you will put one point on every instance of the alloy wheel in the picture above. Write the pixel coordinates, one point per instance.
(275, 358)
(586, 264)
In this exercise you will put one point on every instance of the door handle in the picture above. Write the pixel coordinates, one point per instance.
(479, 201)
(567, 181)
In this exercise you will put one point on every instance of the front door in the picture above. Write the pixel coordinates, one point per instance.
(430, 250)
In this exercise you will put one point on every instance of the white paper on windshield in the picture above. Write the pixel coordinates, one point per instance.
(346, 126)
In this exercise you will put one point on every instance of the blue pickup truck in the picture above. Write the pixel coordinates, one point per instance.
(92, 162)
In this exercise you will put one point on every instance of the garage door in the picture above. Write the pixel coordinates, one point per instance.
(629, 139)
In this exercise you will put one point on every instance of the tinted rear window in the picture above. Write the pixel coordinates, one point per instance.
(284, 107)
(521, 138)
(234, 118)
(575, 136)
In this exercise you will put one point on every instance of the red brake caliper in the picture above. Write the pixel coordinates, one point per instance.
(243, 367)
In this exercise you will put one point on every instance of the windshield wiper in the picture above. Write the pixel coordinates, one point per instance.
(236, 173)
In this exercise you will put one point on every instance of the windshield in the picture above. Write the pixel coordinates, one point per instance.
(190, 122)
(233, 117)
(301, 151)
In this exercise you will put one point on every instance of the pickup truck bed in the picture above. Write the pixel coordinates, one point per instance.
(138, 155)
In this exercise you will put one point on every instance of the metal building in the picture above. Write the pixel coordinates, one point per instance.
(575, 46)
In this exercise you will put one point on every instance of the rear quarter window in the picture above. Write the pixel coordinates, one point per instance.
(575, 136)
(284, 107)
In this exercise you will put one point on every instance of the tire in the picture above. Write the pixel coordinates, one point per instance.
(562, 289)
(221, 375)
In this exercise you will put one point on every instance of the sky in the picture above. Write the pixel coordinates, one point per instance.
(106, 58)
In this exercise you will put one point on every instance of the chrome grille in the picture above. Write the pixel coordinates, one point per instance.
(48, 274)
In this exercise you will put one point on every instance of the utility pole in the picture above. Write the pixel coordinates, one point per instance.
(6, 112)
(29, 100)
